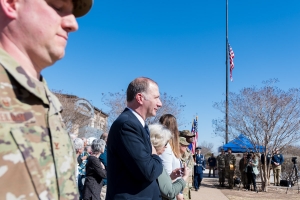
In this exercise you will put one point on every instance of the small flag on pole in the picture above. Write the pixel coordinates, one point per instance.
(194, 130)
(231, 56)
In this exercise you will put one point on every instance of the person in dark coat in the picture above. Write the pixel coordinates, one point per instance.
(198, 168)
(276, 162)
(212, 163)
(95, 172)
(242, 165)
(133, 165)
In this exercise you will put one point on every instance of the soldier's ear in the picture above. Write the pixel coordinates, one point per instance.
(9, 8)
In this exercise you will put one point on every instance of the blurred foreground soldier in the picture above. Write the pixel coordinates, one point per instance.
(212, 163)
(221, 167)
(242, 166)
(37, 158)
(276, 162)
(199, 168)
(230, 167)
(187, 159)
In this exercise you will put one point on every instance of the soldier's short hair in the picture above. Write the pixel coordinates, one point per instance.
(136, 86)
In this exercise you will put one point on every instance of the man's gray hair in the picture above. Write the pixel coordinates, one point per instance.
(98, 146)
(78, 143)
(159, 135)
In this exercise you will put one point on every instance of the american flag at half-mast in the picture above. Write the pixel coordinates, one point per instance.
(194, 130)
(231, 56)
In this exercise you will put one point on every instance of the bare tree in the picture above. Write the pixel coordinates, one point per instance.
(206, 148)
(72, 114)
(116, 102)
(289, 152)
(268, 116)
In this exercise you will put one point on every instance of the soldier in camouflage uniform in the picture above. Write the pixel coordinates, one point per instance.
(37, 159)
(188, 160)
(221, 167)
(189, 137)
(230, 167)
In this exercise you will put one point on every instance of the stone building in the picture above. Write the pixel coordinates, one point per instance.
(81, 117)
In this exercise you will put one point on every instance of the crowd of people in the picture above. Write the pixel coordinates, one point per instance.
(181, 170)
(135, 160)
(38, 156)
(248, 167)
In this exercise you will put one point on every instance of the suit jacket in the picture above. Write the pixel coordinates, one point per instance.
(199, 164)
(132, 170)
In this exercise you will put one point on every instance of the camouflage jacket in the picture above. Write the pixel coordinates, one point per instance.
(230, 160)
(37, 159)
(221, 161)
(187, 157)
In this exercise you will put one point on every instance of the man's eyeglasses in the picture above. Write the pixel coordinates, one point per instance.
(166, 144)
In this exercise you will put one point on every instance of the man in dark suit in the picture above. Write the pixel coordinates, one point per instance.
(133, 165)
(199, 168)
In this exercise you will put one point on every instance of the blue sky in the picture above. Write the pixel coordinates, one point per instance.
(181, 45)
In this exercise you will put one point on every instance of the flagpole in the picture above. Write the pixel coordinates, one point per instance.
(226, 115)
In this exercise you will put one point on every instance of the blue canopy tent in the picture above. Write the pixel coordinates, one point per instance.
(242, 144)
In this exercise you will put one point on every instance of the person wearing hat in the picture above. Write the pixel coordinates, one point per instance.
(221, 167)
(37, 158)
(230, 161)
(187, 159)
(188, 136)
(198, 168)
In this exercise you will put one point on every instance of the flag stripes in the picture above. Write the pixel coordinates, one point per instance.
(231, 56)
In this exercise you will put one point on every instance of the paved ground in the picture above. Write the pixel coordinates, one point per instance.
(208, 191)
